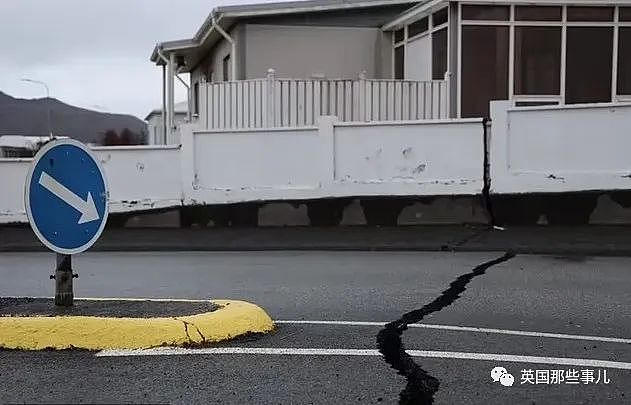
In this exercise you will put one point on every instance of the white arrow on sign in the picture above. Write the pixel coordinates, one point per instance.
(86, 208)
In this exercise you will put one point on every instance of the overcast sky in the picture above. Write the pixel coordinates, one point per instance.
(94, 53)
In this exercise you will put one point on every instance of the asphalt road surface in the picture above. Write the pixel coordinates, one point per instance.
(527, 313)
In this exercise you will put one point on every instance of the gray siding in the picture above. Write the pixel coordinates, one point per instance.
(214, 60)
(305, 52)
(336, 44)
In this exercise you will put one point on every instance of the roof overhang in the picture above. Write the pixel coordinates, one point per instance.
(428, 6)
(408, 16)
(206, 36)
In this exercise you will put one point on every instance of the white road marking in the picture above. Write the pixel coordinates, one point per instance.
(467, 329)
(381, 324)
(126, 299)
(278, 351)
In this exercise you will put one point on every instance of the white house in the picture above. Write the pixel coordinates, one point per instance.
(156, 124)
(367, 60)
(411, 87)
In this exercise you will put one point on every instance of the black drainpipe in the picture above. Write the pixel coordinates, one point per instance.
(486, 190)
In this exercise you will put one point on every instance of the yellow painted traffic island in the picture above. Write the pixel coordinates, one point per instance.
(25, 329)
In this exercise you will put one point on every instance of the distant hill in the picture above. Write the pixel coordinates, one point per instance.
(29, 117)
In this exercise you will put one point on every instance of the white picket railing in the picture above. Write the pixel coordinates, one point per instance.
(271, 102)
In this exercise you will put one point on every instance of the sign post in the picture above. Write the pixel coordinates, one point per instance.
(66, 201)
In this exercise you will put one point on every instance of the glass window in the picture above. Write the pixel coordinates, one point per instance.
(535, 103)
(590, 13)
(418, 27)
(439, 17)
(588, 71)
(534, 13)
(484, 68)
(439, 54)
(196, 98)
(624, 14)
(399, 35)
(537, 60)
(624, 60)
(399, 62)
(226, 68)
(501, 13)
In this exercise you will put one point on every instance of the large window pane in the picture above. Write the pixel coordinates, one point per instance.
(439, 17)
(536, 13)
(418, 27)
(624, 14)
(439, 54)
(485, 13)
(399, 35)
(226, 68)
(624, 60)
(484, 68)
(590, 13)
(537, 60)
(399, 62)
(588, 71)
(196, 98)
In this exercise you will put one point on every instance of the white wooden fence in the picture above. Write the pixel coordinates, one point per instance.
(271, 102)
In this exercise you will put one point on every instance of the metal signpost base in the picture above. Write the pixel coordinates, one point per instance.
(64, 296)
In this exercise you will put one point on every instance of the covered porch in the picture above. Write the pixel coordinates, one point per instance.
(532, 53)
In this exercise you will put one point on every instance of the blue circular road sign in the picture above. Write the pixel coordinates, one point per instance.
(66, 196)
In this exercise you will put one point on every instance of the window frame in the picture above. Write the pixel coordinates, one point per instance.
(562, 56)
(431, 29)
(225, 67)
(615, 23)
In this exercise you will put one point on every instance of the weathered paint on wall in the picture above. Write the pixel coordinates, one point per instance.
(560, 148)
(333, 160)
(12, 178)
(141, 178)
(258, 159)
(407, 152)
(532, 150)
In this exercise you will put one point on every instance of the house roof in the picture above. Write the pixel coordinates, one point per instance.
(428, 6)
(24, 142)
(226, 16)
(408, 15)
(178, 108)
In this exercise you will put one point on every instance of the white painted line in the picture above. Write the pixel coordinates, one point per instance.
(125, 299)
(277, 351)
(381, 324)
(468, 329)
(144, 299)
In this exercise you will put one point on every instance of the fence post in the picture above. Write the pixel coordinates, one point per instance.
(362, 95)
(202, 103)
(447, 95)
(271, 87)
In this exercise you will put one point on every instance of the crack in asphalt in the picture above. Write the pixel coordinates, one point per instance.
(421, 386)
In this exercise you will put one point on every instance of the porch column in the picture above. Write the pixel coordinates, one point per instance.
(453, 60)
(170, 96)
